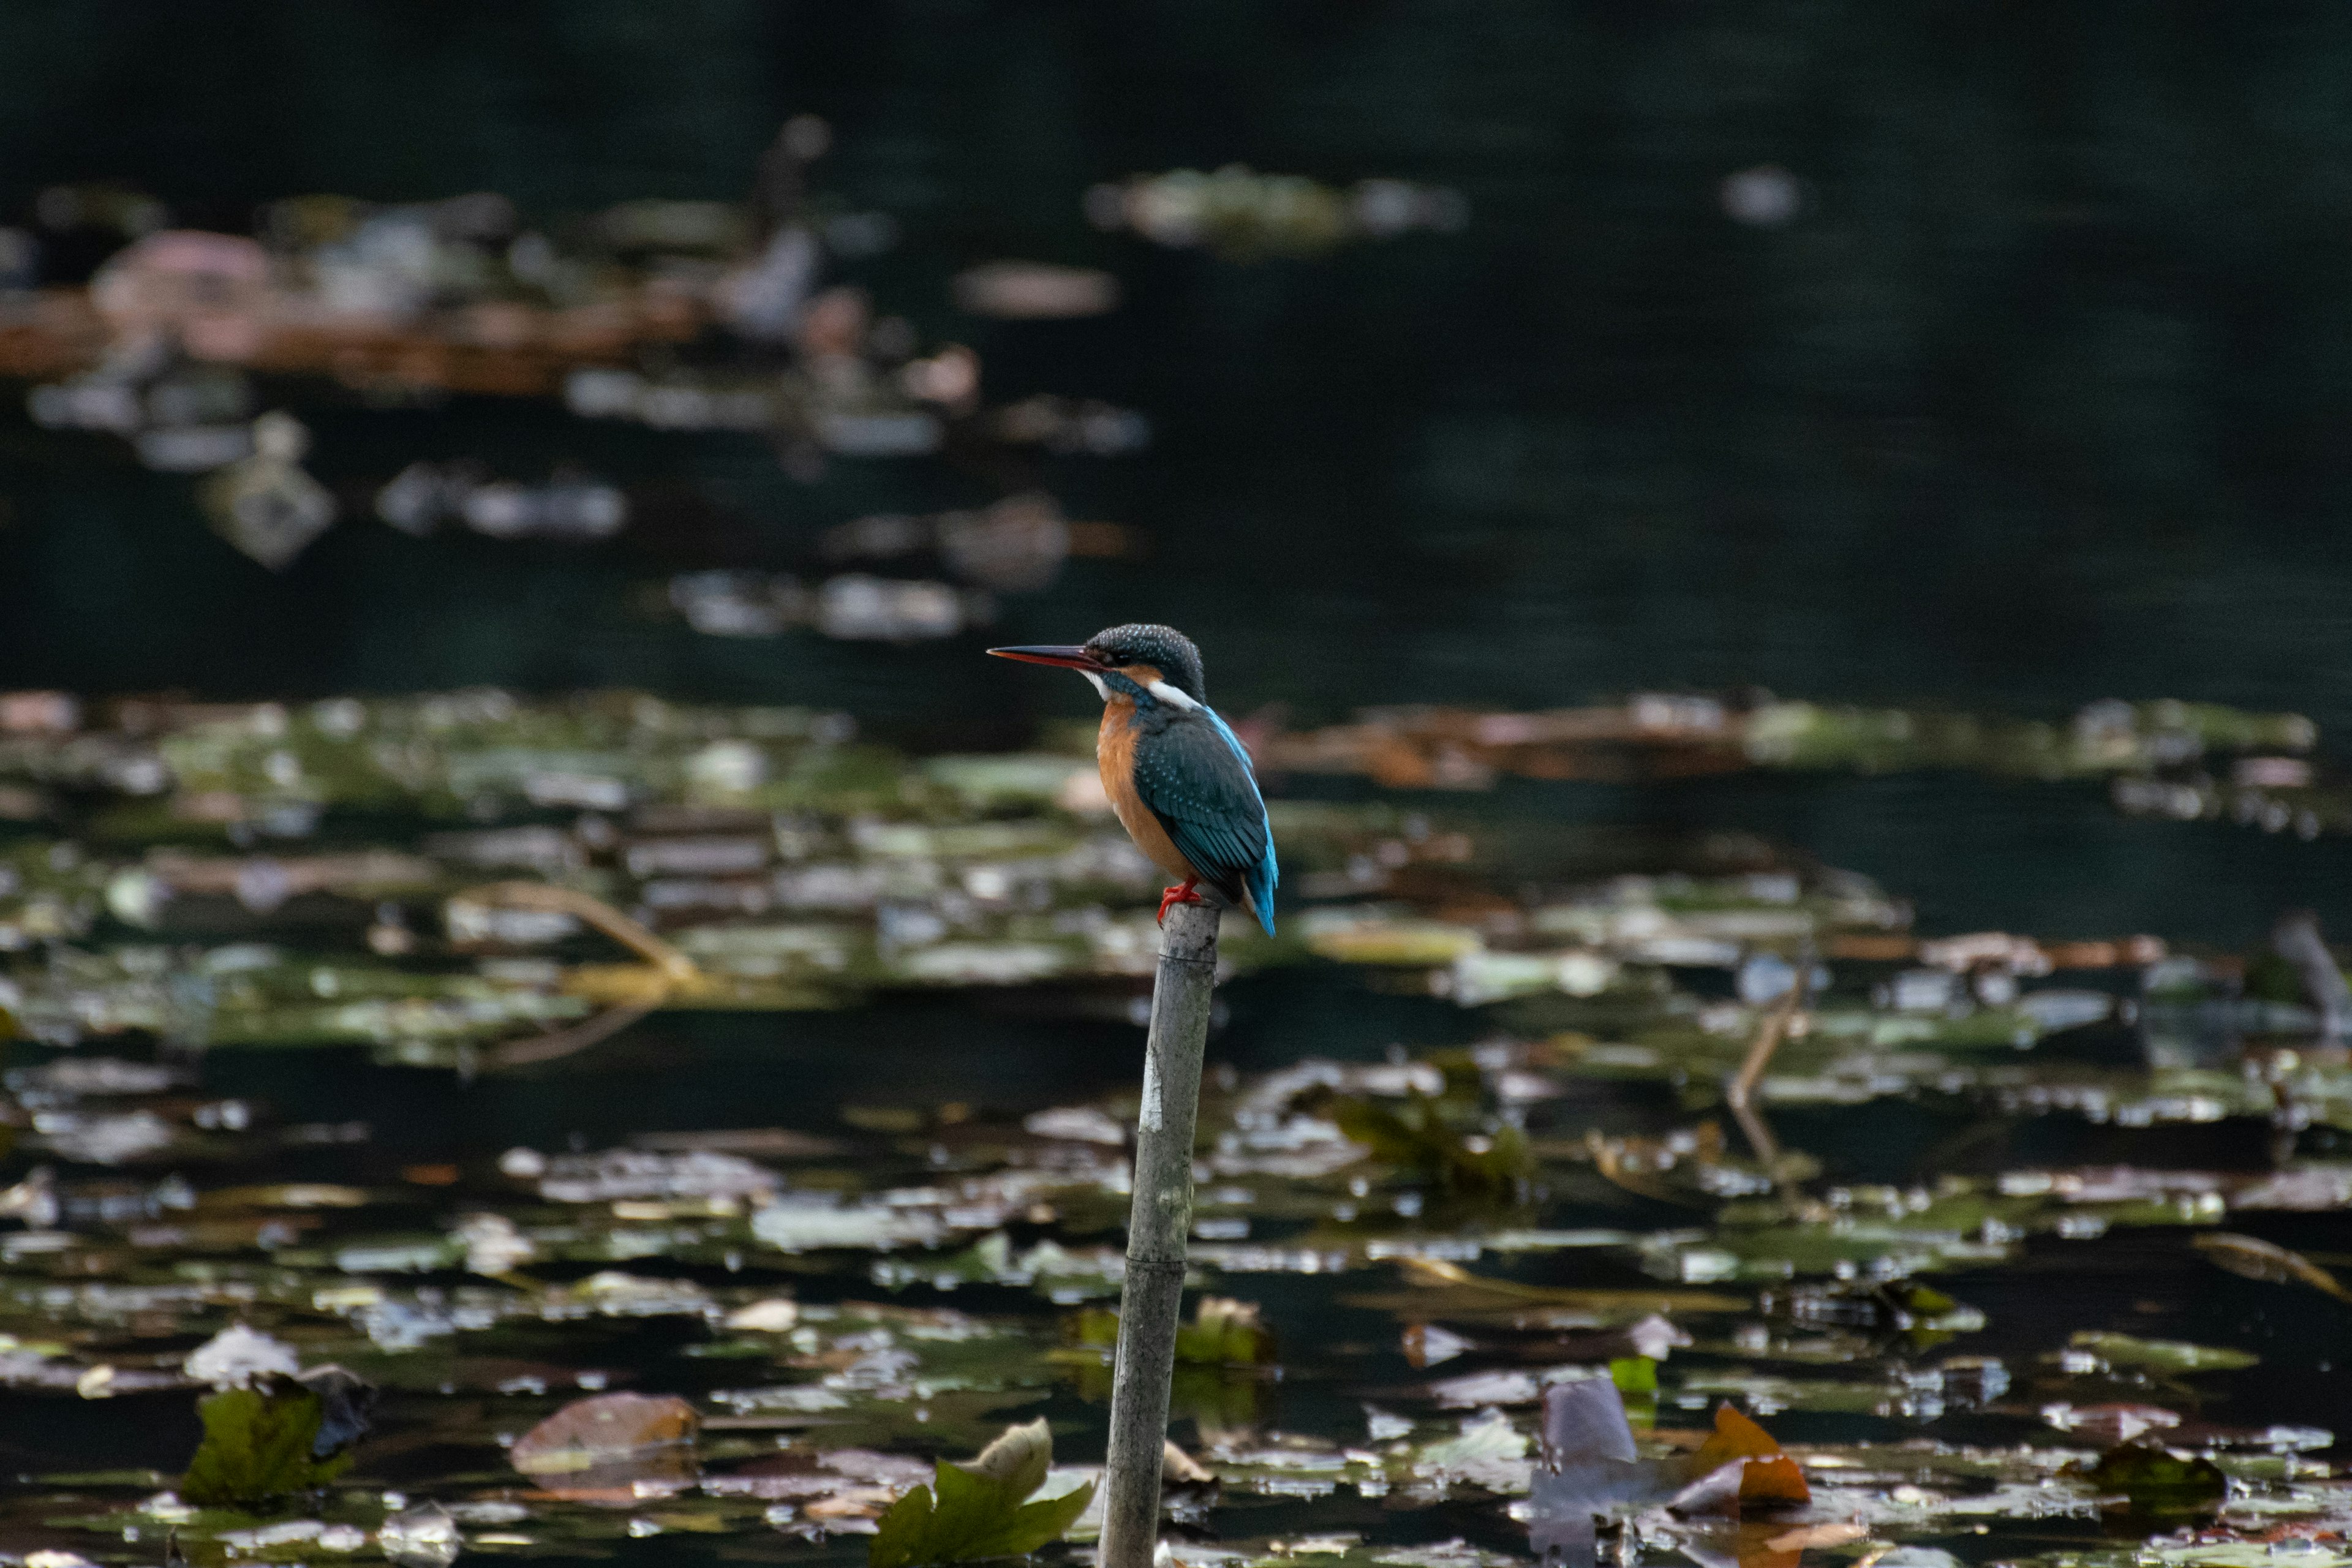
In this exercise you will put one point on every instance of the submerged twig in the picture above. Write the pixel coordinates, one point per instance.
(1608, 1158)
(559, 1043)
(1740, 1093)
(673, 970)
(675, 965)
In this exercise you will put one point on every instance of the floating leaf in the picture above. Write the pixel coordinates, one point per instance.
(2255, 1259)
(1770, 1476)
(2165, 1355)
(1222, 1333)
(2157, 1482)
(1634, 1374)
(1438, 1272)
(1414, 1134)
(610, 1444)
(1225, 1333)
(260, 1443)
(974, 1512)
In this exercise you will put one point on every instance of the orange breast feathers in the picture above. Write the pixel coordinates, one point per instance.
(1115, 756)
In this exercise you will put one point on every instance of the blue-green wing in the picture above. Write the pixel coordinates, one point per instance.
(1195, 778)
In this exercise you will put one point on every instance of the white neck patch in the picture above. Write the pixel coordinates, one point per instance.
(1172, 696)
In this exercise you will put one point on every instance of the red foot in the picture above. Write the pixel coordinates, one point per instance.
(1182, 894)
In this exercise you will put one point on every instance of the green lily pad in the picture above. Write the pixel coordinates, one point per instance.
(2158, 1481)
(971, 1513)
(2166, 1355)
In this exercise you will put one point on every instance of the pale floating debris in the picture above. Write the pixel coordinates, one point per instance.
(330, 1536)
(1490, 1453)
(493, 1244)
(797, 1224)
(1454, 1553)
(797, 1400)
(237, 1357)
(103, 1140)
(1035, 290)
(644, 1173)
(420, 1537)
(616, 1294)
(775, 1315)
(1076, 1123)
(2308, 1188)
(1481, 1389)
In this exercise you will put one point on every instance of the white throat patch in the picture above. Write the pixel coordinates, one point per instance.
(1100, 690)
(1172, 696)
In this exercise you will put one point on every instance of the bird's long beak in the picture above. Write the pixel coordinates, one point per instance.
(1068, 656)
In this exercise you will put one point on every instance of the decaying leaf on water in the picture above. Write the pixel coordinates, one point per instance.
(974, 1512)
(2255, 1259)
(614, 1447)
(1769, 1475)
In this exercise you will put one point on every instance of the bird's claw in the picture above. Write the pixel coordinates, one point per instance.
(1182, 893)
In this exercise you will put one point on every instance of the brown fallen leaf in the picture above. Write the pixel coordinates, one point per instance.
(1437, 1272)
(611, 1447)
(1772, 1477)
(2252, 1257)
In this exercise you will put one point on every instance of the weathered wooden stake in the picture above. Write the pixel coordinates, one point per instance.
(1161, 1219)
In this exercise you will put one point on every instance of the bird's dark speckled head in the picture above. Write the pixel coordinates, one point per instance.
(1164, 649)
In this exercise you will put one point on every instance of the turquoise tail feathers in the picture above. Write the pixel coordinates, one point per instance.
(1262, 880)
(1263, 875)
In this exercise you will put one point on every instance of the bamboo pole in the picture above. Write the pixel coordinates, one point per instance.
(1158, 1222)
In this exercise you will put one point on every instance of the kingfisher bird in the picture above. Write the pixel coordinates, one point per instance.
(1176, 773)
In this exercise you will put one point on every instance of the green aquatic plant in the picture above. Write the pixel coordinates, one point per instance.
(971, 1513)
(261, 1444)
(2153, 1480)
(1445, 1139)
(2161, 1356)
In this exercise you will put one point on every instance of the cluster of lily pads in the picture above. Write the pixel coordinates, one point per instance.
(1605, 1281)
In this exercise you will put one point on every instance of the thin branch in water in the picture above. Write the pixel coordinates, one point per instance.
(677, 968)
(560, 1043)
(673, 969)
(1740, 1093)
